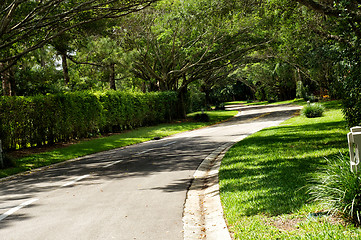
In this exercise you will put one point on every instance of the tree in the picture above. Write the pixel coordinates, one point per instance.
(181, 42)
(344, 35)
(300, 52)
(26, 25)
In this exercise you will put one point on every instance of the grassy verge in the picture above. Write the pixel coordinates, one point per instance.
(263, 179)
(246, 103)
(87, 147)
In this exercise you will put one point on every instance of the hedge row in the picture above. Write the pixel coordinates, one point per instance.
(40, 120)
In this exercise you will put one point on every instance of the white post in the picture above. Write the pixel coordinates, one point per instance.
(354, 142)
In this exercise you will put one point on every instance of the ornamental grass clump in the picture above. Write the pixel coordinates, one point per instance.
(338, 189)
(313, 110)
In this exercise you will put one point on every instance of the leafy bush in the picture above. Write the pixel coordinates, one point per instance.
(195, 100)
(41, 120)
(201, 117)
(220, 106)
(338, 189)
(313, 110)
(350, 87)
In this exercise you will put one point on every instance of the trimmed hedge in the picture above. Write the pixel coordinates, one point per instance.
(41, 120)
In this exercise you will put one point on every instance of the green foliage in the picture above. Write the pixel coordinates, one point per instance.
(40, 120)
(301, 90)
(271, 81)
(181, 42)
(351, 87)
(28, 25)
(338, 189)
(195, 100)
(31, 82)
(201, 117)
(220, 106)
(228, 92)
(313, 110)
(216, 116)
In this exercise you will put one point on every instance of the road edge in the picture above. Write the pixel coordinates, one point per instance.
(203, 211)
(203, 216)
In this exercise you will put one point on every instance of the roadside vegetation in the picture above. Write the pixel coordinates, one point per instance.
(63, 152)
(313, 110)
(298, 101)
(265, 180)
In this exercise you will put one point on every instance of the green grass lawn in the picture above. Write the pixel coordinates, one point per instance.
(263, 179)
(246, 103)
(87, 147)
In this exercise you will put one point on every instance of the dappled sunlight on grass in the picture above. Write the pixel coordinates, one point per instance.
(250, 103)
(264, 176)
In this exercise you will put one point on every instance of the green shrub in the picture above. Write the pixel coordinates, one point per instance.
(338, 189)
(196, 100)
(220, 106)
(313, 110)
(201, 117)
(41, 120)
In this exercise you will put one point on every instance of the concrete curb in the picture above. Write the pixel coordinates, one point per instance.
(203, 212)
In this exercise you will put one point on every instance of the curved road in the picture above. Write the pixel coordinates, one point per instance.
(137, 192)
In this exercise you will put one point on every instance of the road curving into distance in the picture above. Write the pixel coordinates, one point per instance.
(137, 192)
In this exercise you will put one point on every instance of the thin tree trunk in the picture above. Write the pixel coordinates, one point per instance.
(1, 156)
(7, 81)
(182, 99)
(112, 76)
(64, 64)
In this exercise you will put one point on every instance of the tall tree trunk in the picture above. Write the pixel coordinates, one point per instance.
(207, 97)
(112, 76)
(64, 64)
(8, 81)
(144, 88)
(181, 105)
(6, 86)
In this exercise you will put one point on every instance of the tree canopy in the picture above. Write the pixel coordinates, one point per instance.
(205, 50)
(26, 25)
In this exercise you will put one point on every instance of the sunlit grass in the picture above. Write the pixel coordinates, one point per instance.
(263, 179)
(87, 147)
(247, 103)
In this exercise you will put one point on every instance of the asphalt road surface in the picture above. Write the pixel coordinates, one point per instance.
(137, 192)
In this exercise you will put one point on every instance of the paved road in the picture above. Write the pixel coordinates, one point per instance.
(136, 192)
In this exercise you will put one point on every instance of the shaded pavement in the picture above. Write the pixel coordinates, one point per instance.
(137, 192)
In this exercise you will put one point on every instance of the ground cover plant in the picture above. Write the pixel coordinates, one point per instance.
(264, 179)
(339, 189)
(312, 110)
(127, 138)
